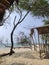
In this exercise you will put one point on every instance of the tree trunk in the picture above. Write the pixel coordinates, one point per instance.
(12, 44)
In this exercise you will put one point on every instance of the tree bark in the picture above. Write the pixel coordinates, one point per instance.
(11, 50)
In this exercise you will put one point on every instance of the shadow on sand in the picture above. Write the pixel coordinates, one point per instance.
(21, 54)
(4, 54)
(24, 55)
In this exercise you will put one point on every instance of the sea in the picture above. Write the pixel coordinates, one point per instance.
(8, 45)
(3, 45)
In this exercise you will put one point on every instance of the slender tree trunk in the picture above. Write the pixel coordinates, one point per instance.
(12, 43)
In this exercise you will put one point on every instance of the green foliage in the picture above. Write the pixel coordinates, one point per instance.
(24, 40)
(40, 8)
(37, 7)
(45, 37)
(46, 22)
(11, 8)
(24, 4)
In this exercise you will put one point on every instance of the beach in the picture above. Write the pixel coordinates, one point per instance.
(22, 56)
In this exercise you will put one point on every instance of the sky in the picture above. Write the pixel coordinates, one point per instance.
(25, 26)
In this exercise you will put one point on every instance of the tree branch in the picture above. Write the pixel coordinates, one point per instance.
(20, 13)
(4, 45)
(15, 25)
(24, 16)
(14, 21)
(21, 20)
(6, 18)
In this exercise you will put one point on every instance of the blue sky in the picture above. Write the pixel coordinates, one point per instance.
(25, 26)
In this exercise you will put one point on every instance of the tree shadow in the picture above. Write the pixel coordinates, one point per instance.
(5, 54)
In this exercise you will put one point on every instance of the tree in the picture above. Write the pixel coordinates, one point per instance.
(15, 25)
(37, 7)
(24, 40)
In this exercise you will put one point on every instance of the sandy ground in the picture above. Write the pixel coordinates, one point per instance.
(22, 57)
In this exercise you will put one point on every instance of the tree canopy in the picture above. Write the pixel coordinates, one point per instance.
(37, 7)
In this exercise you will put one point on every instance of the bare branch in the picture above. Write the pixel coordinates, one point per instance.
(20, 13)
(14, 20)
(4, 44)
(6, 18)
(25, 16)
(20, 21)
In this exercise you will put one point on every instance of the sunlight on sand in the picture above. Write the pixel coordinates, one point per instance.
(22, 57)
